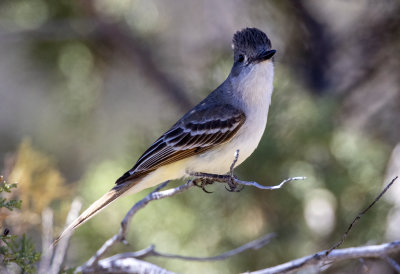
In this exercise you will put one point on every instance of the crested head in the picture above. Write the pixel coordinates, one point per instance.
(249, 42)
(252, 72)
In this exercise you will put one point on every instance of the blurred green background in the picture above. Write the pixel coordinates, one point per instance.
(86, 86)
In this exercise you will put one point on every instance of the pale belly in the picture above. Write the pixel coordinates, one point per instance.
(219, 159)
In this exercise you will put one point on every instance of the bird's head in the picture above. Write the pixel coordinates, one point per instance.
(251, 47)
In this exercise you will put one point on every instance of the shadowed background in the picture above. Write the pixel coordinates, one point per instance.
(86, 86)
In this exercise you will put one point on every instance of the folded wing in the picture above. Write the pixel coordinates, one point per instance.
(199, 130)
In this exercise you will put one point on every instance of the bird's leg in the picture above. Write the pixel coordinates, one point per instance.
(202, 182)
(232, 182)
(203, 179)
(233, 186)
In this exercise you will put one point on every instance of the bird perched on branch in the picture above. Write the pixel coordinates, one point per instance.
(232, 117)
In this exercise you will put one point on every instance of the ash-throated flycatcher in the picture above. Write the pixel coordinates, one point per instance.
(233, 117)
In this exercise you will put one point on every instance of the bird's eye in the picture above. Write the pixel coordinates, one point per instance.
(241, 58)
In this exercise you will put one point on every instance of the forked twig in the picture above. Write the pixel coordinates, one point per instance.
(346, 233)
(372, 251)
(333, 254)
(233, 182)
(120, 237)
(61, 249)
(392, 263)
(151, 251)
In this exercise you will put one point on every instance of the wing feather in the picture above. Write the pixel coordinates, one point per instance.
(199, 130)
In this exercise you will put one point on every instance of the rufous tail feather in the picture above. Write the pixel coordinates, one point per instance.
(96, 207)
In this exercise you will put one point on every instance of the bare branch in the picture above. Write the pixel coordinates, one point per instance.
(126, 265)
(62, 246)
(151, 251)
(359, 216)
(235, 159)
(233, 182)
(157, 195)
(127, 262)
(47, 237)
(319, 259)
(257, 185)
(120, 237)
(372, 251)
(334, 255)
(393, 263)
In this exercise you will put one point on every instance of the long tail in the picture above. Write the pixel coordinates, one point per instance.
(96, 207)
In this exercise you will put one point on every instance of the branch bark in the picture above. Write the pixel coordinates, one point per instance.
(346, 233)
(61, 249)
(151, 251)
(320, 258)
(120, 237)
(53, 258)
(129, 262)
(334, 255)
(127, 265)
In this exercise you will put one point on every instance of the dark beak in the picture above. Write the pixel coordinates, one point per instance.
(265, 55)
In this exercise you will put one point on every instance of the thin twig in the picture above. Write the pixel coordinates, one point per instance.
(151, 251)
(120, 237)
(257, 185)
(233, 182)
(359, 217)
(154, 195)
(235, 159)
(392, 263)
(62, 246)
(333, 254)
(363, 265)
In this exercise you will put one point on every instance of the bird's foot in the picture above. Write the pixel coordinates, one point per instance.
(202, 183)
(233, 186)
(204, 179)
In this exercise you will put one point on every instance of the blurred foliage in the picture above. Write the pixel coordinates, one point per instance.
(14, 249)
(93, 83)
(40, 185)
(37, 177)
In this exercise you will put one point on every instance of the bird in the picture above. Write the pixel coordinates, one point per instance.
(232, 117)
